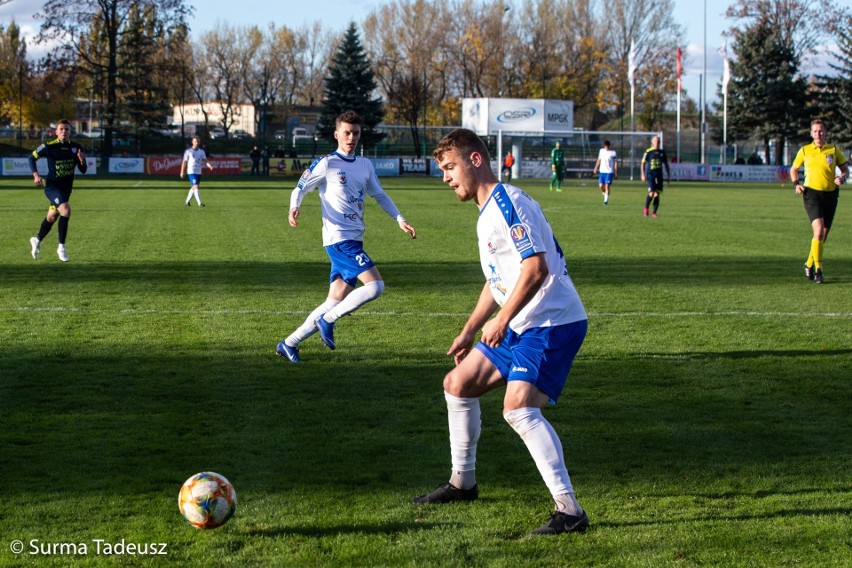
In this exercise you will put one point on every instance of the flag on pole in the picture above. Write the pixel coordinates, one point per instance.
(726, 69)
(679, 70)
(631, 63)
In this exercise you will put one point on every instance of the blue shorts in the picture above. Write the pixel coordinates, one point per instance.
(57, 196)
(348, 260)
(541, 356)
(194, 179)
(605, 179)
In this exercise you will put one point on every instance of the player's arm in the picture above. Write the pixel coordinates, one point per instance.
(209, 165)
(615, 167)
(463, 343)
(183, 167)
(33, 158)
(668, 169)
(642, 167)
(533, 272)
(82, 164)
(597, 165)
(794, 172)
(377, 192)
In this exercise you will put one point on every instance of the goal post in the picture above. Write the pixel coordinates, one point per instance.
(531, 150)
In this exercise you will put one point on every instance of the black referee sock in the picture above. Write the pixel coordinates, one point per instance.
(647, 201)
(656, 203)
(63, 229)
(46, 226)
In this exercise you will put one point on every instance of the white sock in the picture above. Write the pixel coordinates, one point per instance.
(356, 298)
(544, 447)
(308, 328)
(606, 197)
(189, 196)
(197, 196)
(465, 421)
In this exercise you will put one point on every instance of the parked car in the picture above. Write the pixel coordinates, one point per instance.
(217, 132)
(280, 135)
(240, 134)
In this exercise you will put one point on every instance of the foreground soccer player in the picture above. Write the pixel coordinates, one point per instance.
(528, 347)
(63, 156)
(342, 179)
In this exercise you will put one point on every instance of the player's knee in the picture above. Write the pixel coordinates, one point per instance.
(375, 288)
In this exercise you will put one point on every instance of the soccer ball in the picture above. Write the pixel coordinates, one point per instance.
(207, 500)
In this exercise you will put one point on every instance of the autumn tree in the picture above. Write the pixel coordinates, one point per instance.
(14, 72)
(833, 93)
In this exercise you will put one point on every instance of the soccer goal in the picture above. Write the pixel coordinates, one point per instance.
(580, 148)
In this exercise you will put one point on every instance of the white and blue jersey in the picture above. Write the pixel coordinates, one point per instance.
(195, 159)
(512, 227)
(343, 181)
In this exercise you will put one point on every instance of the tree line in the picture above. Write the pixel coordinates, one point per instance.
(412, 61)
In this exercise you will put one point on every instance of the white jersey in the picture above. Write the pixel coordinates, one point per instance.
(342, 182)
(511, 228)
(194, 160)
(607, 158)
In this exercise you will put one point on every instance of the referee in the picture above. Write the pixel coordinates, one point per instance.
(820, 190)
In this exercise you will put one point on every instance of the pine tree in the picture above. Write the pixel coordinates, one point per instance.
(834, 93)
(351, 85)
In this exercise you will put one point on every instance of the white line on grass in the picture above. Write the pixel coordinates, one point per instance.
(141, 311)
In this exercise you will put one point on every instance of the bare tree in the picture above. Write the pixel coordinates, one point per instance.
(70, 22)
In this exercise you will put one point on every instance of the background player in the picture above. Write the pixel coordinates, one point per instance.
(652, 171)
(528, 347)
(63, 156)
(342, 179)
(194, 158)
(820, 160)
(607, 165)
(557, 166)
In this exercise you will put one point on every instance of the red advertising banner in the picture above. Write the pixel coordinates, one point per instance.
(170, 166)
(163, 165)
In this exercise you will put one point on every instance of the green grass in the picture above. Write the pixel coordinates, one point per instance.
(706, 421)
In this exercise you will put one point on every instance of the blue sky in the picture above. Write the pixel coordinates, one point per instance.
(336, 15)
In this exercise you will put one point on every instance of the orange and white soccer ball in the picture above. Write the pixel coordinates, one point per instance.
(207, 500)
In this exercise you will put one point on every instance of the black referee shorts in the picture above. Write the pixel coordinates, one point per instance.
(821, 205)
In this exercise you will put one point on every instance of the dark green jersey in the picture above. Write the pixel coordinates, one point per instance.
(61, 161)
(654, 159)
(557, 157)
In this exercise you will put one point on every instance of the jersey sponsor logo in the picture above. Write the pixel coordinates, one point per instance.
(830, 159)
(341, 177)
(491, 248)
(521, 237)
(520, 370)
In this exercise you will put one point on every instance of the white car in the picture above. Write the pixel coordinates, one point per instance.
(217, 132)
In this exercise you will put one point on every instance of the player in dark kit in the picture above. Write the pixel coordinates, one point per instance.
(63, 156)
(652, 171)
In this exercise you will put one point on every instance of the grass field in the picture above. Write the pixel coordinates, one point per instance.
(706, 421)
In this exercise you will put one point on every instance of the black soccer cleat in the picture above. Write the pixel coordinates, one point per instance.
(447, 494)
(561, 523)
(818, 277)
(809, 272)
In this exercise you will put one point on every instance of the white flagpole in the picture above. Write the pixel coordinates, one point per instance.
(631, 70)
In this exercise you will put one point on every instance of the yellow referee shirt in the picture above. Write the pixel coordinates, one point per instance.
(820, 164)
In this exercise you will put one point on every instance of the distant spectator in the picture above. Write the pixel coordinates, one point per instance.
(508, 162)
(754, 159)
(255, 161)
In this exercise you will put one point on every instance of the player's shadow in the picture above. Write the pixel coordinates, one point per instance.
(341, 529)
